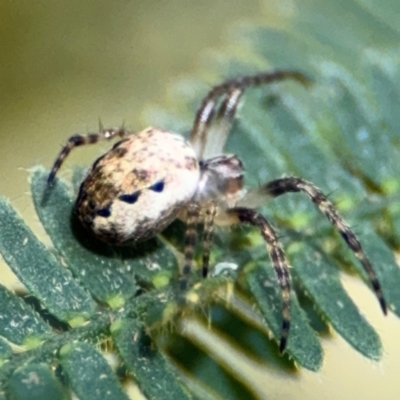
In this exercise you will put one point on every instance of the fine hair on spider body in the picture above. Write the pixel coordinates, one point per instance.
(149, 179)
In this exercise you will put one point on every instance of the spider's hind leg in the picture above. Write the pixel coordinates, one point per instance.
(191, 235)
(208, 233)
(279, 187)
(193, 217)
(81, 140)
(278, 258)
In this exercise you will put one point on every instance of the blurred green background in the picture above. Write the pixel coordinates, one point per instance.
(65, 65)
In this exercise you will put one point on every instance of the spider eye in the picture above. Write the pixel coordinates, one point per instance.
(130, 198)
(157, 187)
(104, 212)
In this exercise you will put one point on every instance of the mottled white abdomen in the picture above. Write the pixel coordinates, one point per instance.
(137, 188)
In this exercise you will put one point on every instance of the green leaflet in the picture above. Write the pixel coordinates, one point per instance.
(88, 373)
(5, 350)
(35, 382)
(303, 345)
(45, 278)
(155, 376)
(321, 282)
(387, 11)
(19, 323)
(384, 263)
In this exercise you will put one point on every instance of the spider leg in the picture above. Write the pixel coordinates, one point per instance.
(232, 88)
(80, 140)
(211, 211)
(278, 258)
(291, 184)
(192, 219)
(219, 130)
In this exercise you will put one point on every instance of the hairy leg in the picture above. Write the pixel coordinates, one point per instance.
(282, 186)
(81, 140)
(278, 258)
(219, 127)
(208, 237)
(232, 88)
(192, 219)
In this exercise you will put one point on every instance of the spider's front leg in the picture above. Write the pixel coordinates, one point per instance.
(229, 94)
(278, 258)
(81, 140)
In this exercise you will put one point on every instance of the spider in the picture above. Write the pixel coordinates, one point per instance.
(149, 179)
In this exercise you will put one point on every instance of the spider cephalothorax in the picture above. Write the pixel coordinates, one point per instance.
(150, 178)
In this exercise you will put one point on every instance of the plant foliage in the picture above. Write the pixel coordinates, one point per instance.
(343, 134)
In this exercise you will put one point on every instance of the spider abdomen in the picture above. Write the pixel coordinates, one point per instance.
(138, 187)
